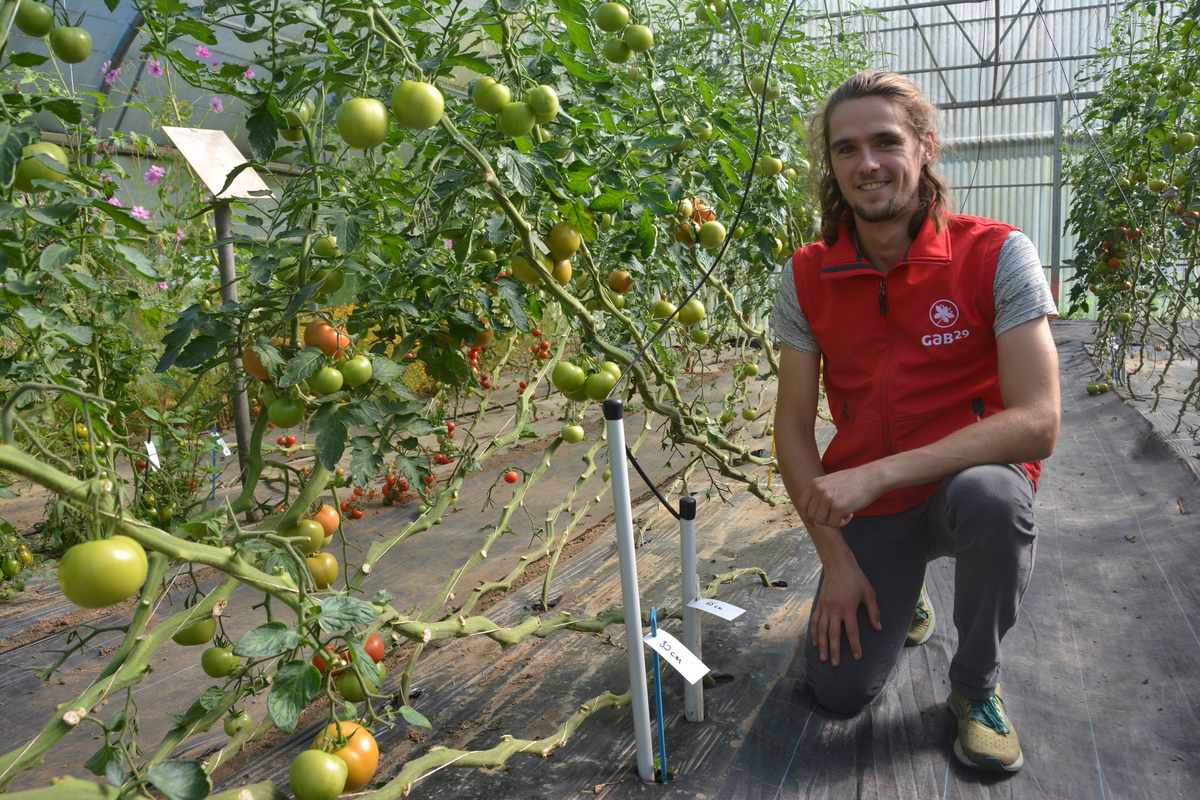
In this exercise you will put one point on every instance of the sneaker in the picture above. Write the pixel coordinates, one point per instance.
(923, 621)
(986, 738)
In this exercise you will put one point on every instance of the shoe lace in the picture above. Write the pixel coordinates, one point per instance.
(987, 712)
(922, 613)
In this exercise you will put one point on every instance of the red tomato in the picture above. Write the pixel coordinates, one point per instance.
(356, 513)
(374, 647)
(511, 476)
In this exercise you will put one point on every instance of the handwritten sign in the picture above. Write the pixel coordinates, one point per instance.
(152, 454)
(716, 607)
(674, 653)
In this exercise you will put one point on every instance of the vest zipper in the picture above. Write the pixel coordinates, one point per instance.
(888, 442)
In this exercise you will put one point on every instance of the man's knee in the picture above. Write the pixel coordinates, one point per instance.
(992, 496)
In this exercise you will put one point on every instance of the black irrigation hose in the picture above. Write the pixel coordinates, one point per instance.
(762, 110)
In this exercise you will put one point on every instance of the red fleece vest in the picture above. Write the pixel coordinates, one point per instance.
(909, 357)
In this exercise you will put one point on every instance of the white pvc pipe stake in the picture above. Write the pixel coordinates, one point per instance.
(693, 693)
(614, 415)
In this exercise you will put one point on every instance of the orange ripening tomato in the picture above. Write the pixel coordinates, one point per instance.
(332, 341)
(361, 752)
(329, 519)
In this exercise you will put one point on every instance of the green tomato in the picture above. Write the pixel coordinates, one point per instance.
(30, 168)
(334, 280)
(235, 722)
(200, 633)
(309, 528)
(285, 412)
(572, 434)
(11, 567)
(639, 38)
(611, 17)
(711, 235)
(544, 102)
(34, 19)
(326, 247)
(326, 380)
(356, 371)
(72, 45)
(749, 414)
(292, 134)
(363, 122)
(599, 384)
(317, 775)
(661, 309)
(692, 312)
(728, 416)
(568, 377)
(699, 336)
(417, 105)
(300, 114)
(217, 662)
(613, 368)
(351, 688)
(101, 573)
(616, 51)
(517, 119)
(750, 370)
(490, 96)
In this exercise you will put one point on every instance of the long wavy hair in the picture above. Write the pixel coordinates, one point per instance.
(932, 192)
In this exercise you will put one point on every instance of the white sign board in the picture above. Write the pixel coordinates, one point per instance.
(674, 653)
(725, 611)
(214, 155)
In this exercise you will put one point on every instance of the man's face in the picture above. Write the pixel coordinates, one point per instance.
(877, 158)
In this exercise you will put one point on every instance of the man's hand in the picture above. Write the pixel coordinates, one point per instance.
(831, 500)
(843, 589)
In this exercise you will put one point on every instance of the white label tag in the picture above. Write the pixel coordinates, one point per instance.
(152, 453)
(717, 608)
(224, 447)
(674, 653)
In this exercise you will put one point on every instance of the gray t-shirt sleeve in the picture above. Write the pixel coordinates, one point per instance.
(1020, 286)
(788, 320)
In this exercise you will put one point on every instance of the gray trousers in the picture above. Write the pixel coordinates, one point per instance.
(983, 517)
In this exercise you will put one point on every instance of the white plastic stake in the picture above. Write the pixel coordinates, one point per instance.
(693, 693)
(152, 454)
(614, 418)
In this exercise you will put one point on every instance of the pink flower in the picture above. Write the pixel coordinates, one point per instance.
(112, 76)
(216, 105)
(104, 67)
(107, 179)
(202, 52)
(216, 63)
(179, 234)
(154, 175)
(155, 69)
(140, 212)
(112, 201)
(249, 73)
(161, 286)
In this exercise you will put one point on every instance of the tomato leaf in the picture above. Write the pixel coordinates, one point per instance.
(648, 234)
(263, 131)
(267, 641)
(301, 366)
(296, 685)
(365, 462)
(100, 760)
(332, 433)
(414, 717)
(519, 170)
(512, 294)
(366, 665)
(578, 33)
(180, 780)
(28, 60)
(211, 698)
(340, 612)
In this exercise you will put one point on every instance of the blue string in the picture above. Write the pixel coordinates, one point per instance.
(213, 493)
(662, 736)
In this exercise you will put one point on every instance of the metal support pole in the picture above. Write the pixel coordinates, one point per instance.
(223, 218)
(693, 693)
(614, 418)
(1056, 207)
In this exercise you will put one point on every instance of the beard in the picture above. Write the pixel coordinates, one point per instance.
(896, 207)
